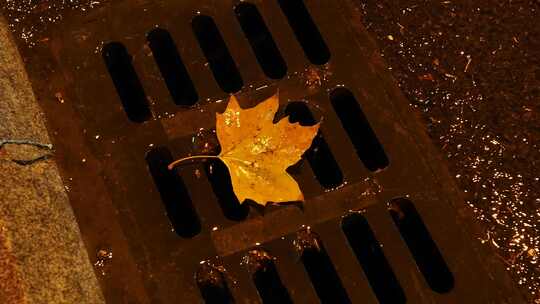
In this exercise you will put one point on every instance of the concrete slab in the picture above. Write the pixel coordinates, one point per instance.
(42, 255)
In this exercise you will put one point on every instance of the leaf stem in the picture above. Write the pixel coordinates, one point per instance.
(179, 161)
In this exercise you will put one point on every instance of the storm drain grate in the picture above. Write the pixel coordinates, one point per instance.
(144, 82)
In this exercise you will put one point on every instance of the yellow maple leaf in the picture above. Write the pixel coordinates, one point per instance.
(257, 152)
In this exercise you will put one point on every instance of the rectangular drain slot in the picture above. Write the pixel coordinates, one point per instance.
(320, 269)
(306, 31)
(172, 67)
(355, 123)
(266, 277)
(423, 248)
(174, 194)
(213, 284)
(368, 252)
(126, 81)
(320, 157)
(214, 48)
(261, 40)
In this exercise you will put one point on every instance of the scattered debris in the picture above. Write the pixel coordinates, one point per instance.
(24, 142)
(469, 60)
(103, 260)
(25, 162)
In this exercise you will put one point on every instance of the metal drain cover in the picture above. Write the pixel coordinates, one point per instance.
(131, 86)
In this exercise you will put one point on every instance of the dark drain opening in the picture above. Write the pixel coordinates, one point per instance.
(212, 285)
(320, 157)
(261, 40)
(215, 50)
(423, 248)
(320, 269)
(368, 252)
(305, 31)
(266, 278)
(219, 178)
(355, 123)
(172, 68)
(174, 194)
(126, 81)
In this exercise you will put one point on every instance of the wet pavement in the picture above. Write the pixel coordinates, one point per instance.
(472, 68)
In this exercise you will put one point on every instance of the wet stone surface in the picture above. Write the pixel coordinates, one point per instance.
(30, 19)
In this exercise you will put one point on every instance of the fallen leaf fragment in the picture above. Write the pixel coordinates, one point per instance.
(257, 152)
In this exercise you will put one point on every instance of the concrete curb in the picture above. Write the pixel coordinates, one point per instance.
(42, 255)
